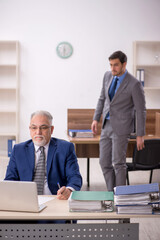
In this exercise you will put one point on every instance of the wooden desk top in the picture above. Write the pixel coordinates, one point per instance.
(59, 209)
(96, 139)
(76, 140)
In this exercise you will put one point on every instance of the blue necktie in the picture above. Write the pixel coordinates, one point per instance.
(113, 88)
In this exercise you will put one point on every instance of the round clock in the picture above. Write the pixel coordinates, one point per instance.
(64, 50)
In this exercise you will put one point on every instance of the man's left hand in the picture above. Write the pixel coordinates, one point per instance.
(140, 143)
(63, 193)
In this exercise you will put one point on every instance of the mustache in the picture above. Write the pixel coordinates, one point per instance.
(41, 136)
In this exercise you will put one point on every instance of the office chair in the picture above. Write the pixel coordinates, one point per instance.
(146, 159)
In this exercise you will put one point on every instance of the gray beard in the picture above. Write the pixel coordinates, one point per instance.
(40, 143)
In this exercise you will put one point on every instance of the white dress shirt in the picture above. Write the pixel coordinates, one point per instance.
(46, 190)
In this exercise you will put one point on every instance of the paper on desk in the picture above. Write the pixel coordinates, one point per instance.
(44, 199)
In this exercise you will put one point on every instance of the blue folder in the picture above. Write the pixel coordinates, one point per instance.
(135, 189)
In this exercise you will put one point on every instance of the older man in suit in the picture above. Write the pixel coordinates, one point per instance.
(121, 95)
(61, 171)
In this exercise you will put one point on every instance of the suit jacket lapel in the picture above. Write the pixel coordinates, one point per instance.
(51, 151)
(30, 154)
(122, 86)
(107, 85)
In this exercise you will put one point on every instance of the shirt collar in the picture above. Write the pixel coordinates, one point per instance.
(120, 78)
(37, 147)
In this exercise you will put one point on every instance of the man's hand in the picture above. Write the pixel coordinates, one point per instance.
(94, 127)
(140, 143)
(63, 193)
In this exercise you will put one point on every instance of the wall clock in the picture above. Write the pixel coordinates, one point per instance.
(64, 50)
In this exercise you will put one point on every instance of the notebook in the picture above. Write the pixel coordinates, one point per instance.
(19, 196)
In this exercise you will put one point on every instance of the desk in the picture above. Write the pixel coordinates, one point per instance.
(58, 209)
(89, 148)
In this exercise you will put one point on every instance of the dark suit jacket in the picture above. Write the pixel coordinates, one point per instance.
(129, 97)
(62, 164)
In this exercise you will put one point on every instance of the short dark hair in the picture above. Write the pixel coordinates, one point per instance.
(120, 55)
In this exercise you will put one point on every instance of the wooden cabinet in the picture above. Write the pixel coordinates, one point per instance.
(146, 57)
(157, 127)
(9, 96)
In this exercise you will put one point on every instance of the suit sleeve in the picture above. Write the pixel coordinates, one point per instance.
(100, 104)
(140, 106)
(12, 172)
(73, 175)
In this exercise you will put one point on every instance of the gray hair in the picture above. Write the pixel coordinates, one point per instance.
(43, 113)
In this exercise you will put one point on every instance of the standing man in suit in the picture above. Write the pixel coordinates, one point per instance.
(120, 96)
(61, 170)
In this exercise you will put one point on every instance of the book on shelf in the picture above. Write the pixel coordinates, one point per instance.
(137, 199)
(140, 75)
(81, 133)
(11, 143)
(91, 201)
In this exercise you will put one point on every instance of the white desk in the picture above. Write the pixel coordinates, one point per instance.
(58, 210)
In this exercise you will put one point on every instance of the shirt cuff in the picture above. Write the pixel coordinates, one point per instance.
(72, 189)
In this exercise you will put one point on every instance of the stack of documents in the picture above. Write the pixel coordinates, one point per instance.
(81, 133)
(91, 201)
(136, 199)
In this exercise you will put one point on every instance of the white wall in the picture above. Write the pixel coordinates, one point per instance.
(95, 28)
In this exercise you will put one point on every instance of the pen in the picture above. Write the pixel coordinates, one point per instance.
(58, 185)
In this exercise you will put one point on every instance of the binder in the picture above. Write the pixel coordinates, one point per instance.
(136, 189)
(140, 75)
(86, 133)
(11, 143)
(97, 201)
(92, 195)
(137, 199)
(132, 199)
(144, 209)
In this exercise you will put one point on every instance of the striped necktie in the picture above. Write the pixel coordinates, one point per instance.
(39, 175)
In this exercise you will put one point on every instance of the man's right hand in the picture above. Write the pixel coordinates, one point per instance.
(94, 127)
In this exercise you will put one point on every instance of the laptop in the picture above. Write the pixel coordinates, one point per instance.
(19, 196)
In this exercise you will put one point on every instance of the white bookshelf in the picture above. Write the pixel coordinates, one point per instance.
(146, 55)
(9, 94)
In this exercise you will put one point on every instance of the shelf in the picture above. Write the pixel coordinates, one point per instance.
(9, 97)
(6, 42)
(146, 56)
(147, 53)
(8, 52)
(8, 65)
(4, 137)
(4, 157)
(152, 88)
(148, 66)
(8, 77)
(8, 111)
(8, 131)
(9, 134)
(8, 88)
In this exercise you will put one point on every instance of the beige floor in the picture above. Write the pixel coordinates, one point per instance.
(149, 229)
